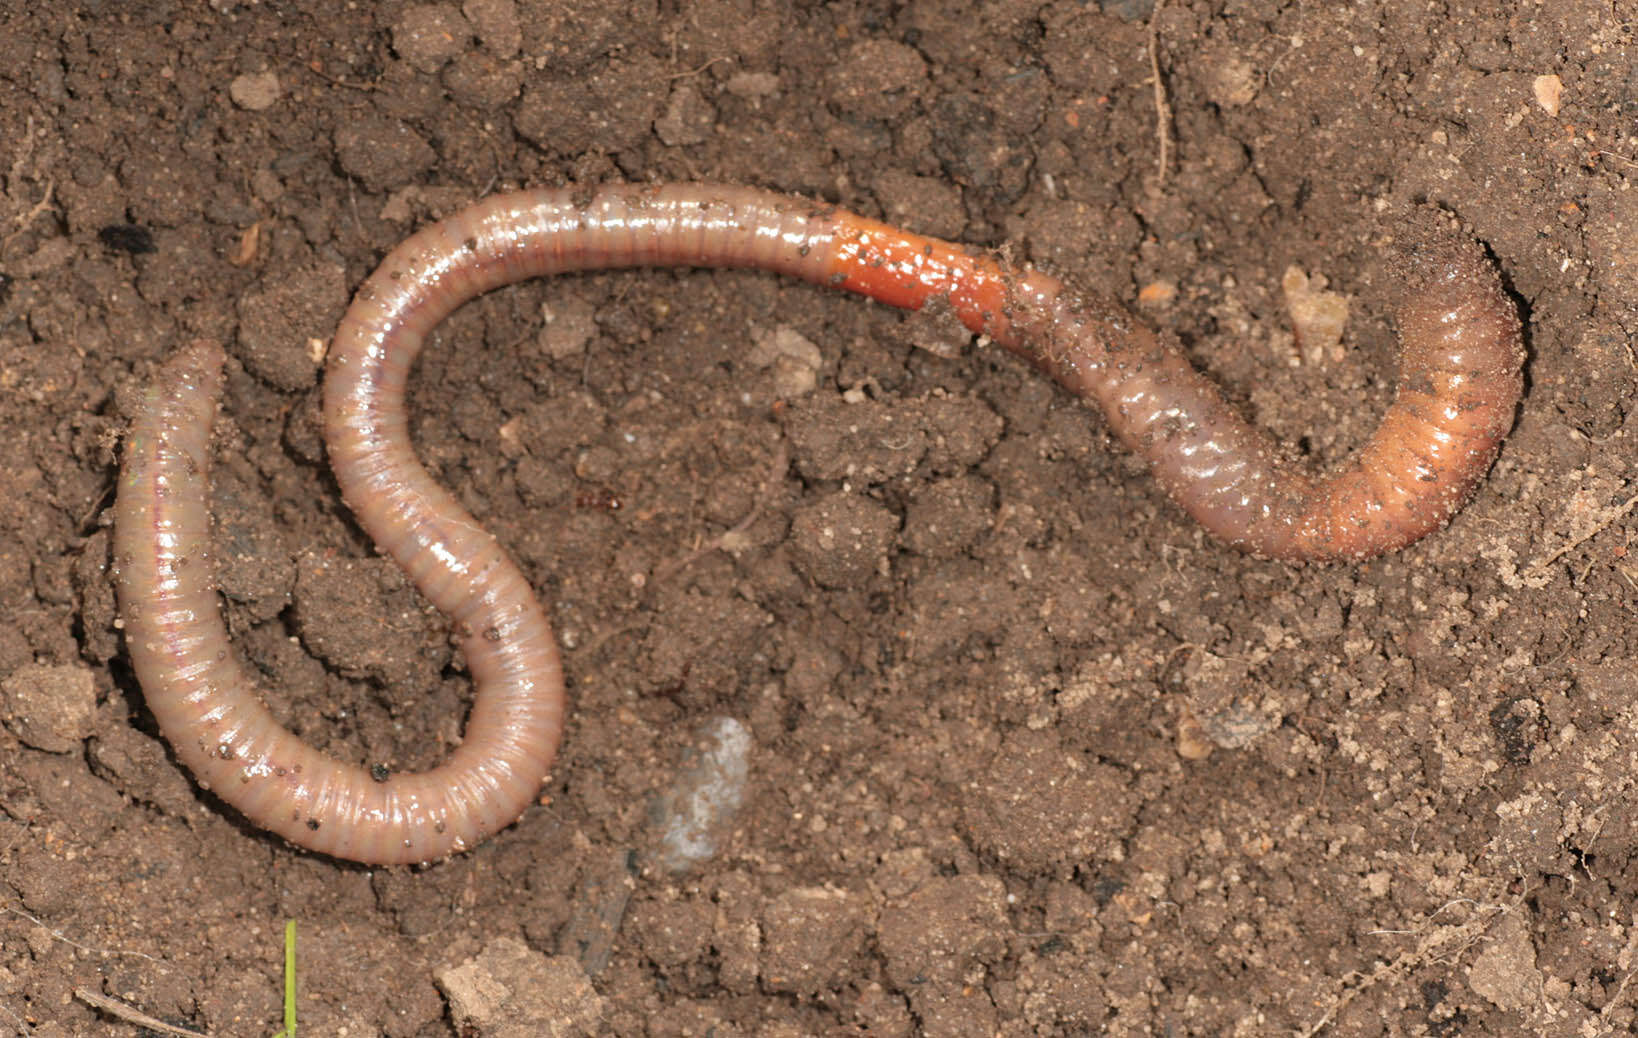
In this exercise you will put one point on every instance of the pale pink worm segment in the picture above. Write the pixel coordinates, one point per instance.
(212, 713)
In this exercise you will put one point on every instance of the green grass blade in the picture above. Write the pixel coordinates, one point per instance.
(289, 980)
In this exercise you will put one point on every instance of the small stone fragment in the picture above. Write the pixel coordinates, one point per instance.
(1317, 316)
(1192, 741)
(1229, 80)
(1506, 972)
(599, 909)
(783, 341)
(49, 707)
(254, 92)
(569, 326)
(511, 991)
(1157, 295)
(1548, 90)
(794, 358)
(1226, 703)
(753, 86)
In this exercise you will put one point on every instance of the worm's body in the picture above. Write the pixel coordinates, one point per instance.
(1459, 385)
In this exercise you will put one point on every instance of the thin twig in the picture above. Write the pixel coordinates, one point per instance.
(1163, 108)
(114, 1007)
(695, 71)
(18, 1022)
(333, 81)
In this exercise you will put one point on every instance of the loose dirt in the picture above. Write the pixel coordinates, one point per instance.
(1028, 755)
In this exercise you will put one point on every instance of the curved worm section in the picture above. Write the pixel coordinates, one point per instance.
(1459, 385)
(213, 715)
(1460, 381)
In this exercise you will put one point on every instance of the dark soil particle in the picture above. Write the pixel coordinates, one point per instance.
(1030, 755)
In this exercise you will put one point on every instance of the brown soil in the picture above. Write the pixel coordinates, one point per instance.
(1030, 754)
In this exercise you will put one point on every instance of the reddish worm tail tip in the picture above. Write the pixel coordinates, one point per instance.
(1460, 382)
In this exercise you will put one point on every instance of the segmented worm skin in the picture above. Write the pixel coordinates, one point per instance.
(212, 714)
(1458, 387)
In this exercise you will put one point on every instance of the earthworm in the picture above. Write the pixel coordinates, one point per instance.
(1459, 384)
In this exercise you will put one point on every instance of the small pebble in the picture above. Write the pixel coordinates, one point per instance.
(599, 909)
(508, 990)
(1318, 317)
(255, 92)
(753, 86)
(795, 360)
(1193, 743)
(567, 327)
(1229, 80)
(1157, 294)
(1548, 90)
